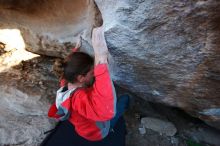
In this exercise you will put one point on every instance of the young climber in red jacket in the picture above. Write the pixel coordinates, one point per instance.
(91, 109)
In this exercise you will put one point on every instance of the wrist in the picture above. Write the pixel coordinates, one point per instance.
(101, 60)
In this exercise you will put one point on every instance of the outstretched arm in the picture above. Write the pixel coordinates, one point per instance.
(99, 45)
(99, 103)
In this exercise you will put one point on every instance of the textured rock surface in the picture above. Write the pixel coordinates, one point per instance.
(25, 92)
(158, 125)
(188, 128)
(165, 51)
(49, 27)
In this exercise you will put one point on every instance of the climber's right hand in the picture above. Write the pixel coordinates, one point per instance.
(99, 45)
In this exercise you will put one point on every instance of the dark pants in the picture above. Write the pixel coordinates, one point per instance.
(65, 135)
(121, 107)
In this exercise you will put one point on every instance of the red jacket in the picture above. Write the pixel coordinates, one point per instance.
(92, 108)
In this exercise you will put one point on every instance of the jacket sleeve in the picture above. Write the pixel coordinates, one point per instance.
(52, 112)
(98, 103)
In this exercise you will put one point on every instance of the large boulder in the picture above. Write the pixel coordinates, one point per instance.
(23, 117)
(167, 51)
(164, 51)
(27, 91)
(50, 27)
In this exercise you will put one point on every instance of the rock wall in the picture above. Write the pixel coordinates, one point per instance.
(26, 90)
(49, 27)
(164, 50)
(167, 51)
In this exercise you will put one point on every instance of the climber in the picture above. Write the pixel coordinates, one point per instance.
(89, 113)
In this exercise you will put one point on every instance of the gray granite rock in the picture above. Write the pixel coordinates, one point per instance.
(163, 50)
(26, 94)
(167, 51)
(23, 117)
(160, 126)
(49, 27)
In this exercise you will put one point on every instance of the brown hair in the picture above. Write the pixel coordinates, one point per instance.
(77, 63)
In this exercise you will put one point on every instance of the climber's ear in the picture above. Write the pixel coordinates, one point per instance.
(80, 78)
